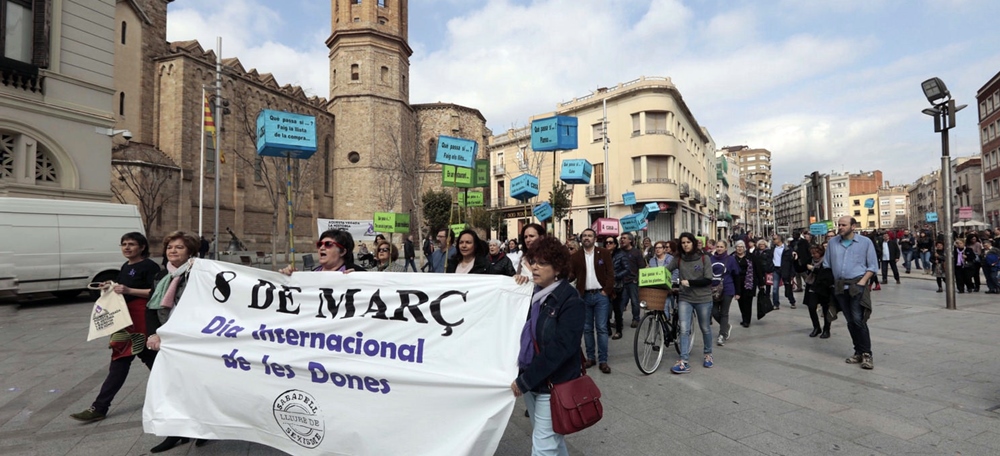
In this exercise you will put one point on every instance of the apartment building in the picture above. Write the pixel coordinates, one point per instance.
(988, 99)
(924, 196)
(655, 148)
(790, 209)
(893, 207)
(755, 166)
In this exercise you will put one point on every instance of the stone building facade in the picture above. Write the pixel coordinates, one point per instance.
(372, 144)
(56, 90)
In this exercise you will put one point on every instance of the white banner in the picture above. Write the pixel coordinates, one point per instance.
(361, 230)
(367, 363)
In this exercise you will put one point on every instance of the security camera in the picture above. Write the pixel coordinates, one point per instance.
(127, 135)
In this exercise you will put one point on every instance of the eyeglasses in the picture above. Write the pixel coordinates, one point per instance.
(328, 244)
(609, 242)
(384, 249)
(534, 262)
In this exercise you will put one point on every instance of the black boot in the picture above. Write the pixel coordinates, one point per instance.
(815, 332)
(169, 443)
(826, 331)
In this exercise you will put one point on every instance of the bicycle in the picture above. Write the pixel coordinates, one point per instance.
(658, 328)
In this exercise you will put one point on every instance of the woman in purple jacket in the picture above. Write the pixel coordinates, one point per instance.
(725, 272)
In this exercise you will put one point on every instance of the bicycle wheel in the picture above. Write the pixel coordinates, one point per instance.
(648, 343)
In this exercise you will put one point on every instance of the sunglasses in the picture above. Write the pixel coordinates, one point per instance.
(386, 250)
(328, 244)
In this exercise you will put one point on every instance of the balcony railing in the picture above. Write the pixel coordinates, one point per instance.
(20, 75)
(499, 170)
(498, 202)
(696, 197)
(660, 180)
(685, 190)
(595, 191)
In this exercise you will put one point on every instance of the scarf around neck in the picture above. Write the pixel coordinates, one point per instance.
(165, 293)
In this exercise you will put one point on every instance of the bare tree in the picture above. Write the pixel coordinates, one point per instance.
(145, 177)
(269, 173)
(400, 179)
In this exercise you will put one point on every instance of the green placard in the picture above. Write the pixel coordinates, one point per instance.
(649, 277)
(482, 175)
(457, 228)
(456, 176)
(475, 199)
(391, 222)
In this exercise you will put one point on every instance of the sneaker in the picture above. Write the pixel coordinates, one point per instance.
(853, 360)
(729, 331)
(867, 362)
(721, 341)
(708, 361)
(792, 306)
(89, 416)
(680, 368)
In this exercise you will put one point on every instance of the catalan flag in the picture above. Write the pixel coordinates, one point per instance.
(210, 128)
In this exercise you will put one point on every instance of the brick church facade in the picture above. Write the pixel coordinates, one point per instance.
(373, 146)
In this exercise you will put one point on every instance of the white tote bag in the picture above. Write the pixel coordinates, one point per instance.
(110, 313)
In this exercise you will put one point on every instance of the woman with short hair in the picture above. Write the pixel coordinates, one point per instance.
(386, 255)
(499, 263)
(335, 250)
(135, 284)
(550, 341)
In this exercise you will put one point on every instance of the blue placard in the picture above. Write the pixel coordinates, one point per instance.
(651, 210)
(645, 212)
(282, 134)
(456, 151)
(554, 133)
(869, 203)
(818, 229)
(628, 198)
(523, 187)
(632, 222)
(930, 217)
(542, 211)
(576, 171)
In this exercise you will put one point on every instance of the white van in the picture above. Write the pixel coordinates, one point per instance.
(61, 246)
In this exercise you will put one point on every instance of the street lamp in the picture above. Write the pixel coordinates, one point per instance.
(943, 112)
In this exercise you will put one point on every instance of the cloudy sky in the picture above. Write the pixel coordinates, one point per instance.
(829, 86)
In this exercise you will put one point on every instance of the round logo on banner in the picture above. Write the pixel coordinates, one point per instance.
(297, 413)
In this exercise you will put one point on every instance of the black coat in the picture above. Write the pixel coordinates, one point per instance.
(500, 265)
(558, 333)
(481, 265)
(408, 252)
(893, 249)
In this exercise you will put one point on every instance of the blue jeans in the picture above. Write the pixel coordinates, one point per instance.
(410, 263)
(907, 257)
(544, 441)
(597, 307)
(685, 310)
(925, 258)
(775, 290)
(854, 313)
(631, 293)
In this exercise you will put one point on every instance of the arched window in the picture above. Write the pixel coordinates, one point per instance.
(16, 150)
(327, 181)
(385, 74)
(124, 26)
(121, 104)
(355, 72)
(432, 150)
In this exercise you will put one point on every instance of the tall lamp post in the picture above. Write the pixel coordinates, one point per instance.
(943, 112)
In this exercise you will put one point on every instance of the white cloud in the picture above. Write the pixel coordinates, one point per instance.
(246, 28)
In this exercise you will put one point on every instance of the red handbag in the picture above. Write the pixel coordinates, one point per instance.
(576, 404)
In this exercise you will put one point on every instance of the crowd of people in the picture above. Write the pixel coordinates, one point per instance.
(583, 286)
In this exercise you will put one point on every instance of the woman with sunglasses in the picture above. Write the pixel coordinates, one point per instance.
(386, 255)
(471, 255)
(335, 249)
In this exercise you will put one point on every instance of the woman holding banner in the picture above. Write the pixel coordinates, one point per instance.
(178, 247)
(135, 283)
(550, 341)
(471, 255)
(335, 249)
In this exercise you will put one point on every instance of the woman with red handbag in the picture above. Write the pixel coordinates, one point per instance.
(550, 341)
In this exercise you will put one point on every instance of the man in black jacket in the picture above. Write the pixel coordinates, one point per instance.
(783, 259)
(888, 251)
(408, 254)
(800, 245)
